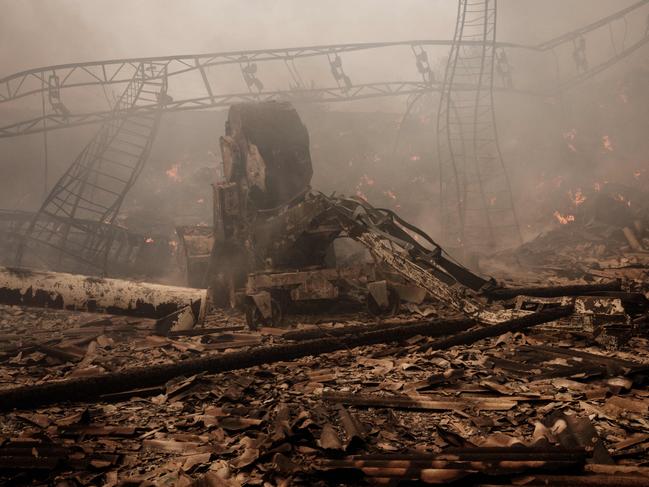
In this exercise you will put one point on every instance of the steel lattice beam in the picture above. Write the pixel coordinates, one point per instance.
(60, 83)
(476, 203)
(73, 230)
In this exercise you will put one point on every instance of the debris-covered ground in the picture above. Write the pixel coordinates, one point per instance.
(552, 405)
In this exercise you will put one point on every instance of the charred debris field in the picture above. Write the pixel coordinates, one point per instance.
(213, 275)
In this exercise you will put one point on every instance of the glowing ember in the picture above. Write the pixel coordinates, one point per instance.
(492, 201)
(577, 198)
(200, 201)
(607, 143)
(148, 240)
(172, 173)
(597, 186)
(570, 137)
(390, 194)
(365, 179)
(564, 219)
(637, 173)
(415, 158)
(622, 199)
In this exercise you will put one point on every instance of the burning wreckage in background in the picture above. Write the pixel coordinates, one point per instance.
(273, 241)
(272, 252)
(267, 369)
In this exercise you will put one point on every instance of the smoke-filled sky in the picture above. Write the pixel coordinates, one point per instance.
(44, 32)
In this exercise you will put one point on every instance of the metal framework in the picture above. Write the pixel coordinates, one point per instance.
(477, 208)
(211, 75)
(74, 228)
(126, 245)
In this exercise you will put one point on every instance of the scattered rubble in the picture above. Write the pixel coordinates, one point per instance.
(544, 405)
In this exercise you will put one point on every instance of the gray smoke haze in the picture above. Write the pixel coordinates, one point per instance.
(345, 148)
(44, 32)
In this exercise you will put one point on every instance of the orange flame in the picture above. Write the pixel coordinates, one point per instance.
(390, 194)
(172, 173)
(564, 219)
(577, 198)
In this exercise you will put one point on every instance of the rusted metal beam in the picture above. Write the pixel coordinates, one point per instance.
(439, 328)
(456, 463)
(91, 388)
(587, 480)
(517, 324)
(554, 291)
(423, 403)
(27, 287)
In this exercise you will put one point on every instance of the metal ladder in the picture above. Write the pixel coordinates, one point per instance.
(476, 204)
(95, 185)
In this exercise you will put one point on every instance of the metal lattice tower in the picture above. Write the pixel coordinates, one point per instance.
(74, 229)
(477, 210)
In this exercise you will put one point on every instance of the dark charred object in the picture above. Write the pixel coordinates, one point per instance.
(273, 236)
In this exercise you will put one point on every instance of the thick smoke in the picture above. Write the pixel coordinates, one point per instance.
(353, 153)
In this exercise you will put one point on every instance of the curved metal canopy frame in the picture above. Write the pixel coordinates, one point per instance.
(75, 225)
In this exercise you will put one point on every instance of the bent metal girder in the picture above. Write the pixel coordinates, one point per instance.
(62, 234)
(59, 85)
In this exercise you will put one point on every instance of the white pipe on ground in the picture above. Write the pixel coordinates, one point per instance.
(27, 287)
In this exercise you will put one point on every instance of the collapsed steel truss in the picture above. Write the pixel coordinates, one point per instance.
(75, 225)
(55, 83)
(74, 228)
(476, 202)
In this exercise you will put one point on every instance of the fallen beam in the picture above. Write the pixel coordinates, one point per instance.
(456, 463)
(91, 388)
(419, 403)
(441, 328)
(517, 324)
(553, 291)
(27, 287)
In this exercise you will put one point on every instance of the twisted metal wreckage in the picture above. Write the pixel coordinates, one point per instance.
(75, 229)
(271, 249)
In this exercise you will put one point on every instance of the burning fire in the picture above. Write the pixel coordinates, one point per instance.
(570, 137)
(361, 195)
(564, 219)
(390, 194)
(622, 199)
(577, 198)
(365, 179)
(172, 173)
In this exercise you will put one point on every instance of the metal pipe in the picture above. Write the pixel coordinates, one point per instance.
(27, 287)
